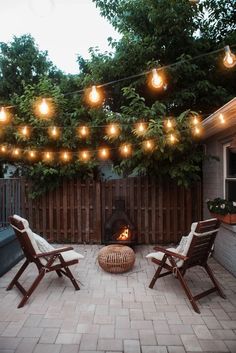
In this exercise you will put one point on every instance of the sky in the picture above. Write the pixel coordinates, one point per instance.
(65, 28)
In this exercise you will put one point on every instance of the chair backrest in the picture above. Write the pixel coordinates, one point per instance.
(24, 237)
(202, 242)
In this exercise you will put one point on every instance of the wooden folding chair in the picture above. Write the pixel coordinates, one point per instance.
(57, 260)
(200, 246)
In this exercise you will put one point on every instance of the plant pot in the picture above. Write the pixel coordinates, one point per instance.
(228, 218)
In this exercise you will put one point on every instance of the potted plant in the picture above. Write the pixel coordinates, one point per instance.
(223, 209)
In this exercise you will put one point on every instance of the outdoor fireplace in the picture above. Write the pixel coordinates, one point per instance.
(119, 229)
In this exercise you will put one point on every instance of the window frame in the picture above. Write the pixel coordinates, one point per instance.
(225, 178)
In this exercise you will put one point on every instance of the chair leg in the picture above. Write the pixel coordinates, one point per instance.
(32, 288)
(187, 291)
(72, 278)
(59, 273)
(17, 276)
(157, 273)
(215, 282)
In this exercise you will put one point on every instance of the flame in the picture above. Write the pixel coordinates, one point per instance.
(124, 235)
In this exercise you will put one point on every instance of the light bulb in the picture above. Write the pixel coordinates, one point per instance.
(141, 128)
(126, 150)
(157, 81)
(3, 115)
(43, 107)
(66, 156)
(84, 155)
(54, 131)
(169, 124)
(196, 130)
(32, 154)
(25, 131)
(112, 130)
(222, 118)
(172, 138)
(83, 131)
(103, 153)
(229, 59)
(3, 149)
(48, 156)
(16, 152)
(148, 145)
(94, 96)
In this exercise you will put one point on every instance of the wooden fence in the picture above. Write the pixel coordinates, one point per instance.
(76, 212)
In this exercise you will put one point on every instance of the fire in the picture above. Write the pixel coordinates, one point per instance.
(124, 235)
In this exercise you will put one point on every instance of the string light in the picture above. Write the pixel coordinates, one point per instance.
(172, 138)
(222, 119)
(3, 115)
(113, 130)
(94, 96)
(125, 150)
(53, 131)
(148, 145)
(156, 81)
(3, 149)
(66, 156)
(32, 154)
(196, 130)
(24, 131)
(84, 155)
(48, 156)
(195, 120)
(229, 59)
(83, 131)
(16, 152)
(103, 153)
(141, 128)
(43, 107)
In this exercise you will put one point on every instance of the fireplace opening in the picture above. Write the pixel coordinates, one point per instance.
(119, 229)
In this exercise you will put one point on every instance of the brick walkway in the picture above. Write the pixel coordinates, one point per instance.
(117, 313)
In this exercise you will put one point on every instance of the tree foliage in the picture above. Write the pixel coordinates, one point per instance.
(154, 32)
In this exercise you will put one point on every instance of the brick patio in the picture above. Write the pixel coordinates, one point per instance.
(117, 313)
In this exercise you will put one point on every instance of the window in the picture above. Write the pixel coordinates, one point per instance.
(229, 174)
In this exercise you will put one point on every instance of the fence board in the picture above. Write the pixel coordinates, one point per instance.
(76, 211)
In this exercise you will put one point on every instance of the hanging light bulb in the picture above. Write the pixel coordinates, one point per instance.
(169, 124)
(141, 128)
(48, 156)
(113, 130)
(229, 59)
(148, 145)
(16, 152)
(3, 115)
(126, 150)
(103, 153)
(3, 149)
(84, 155)
(196, 130)
(222, 119)
(32, 154)
(83, 131)
(195, 120)
(66, 156)
(54, 132)
(157, 81)
(25, 131)
(172, 138)
(94, 96)
(44, 107)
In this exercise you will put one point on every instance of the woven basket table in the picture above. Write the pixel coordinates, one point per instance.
(116, 258)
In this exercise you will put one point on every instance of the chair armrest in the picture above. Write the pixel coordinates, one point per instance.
(171, 253)
(54, 252)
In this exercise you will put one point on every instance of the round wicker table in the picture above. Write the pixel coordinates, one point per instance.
(116, 258)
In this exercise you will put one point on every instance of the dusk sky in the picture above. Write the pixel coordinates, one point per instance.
(64, 28)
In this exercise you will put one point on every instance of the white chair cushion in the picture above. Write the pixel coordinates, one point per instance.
(181, 249)
(41, 245)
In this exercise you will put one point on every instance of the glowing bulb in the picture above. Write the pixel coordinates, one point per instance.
(221, 118)
(48, 156)
(172, 138)
(112, 130)
(94, 96)
(125, 150)
(195, 120)
(148, 145)
(196, 130)
(16, 152)
(83, 131)
(157, 81)
(141, 128)
(32, 154)
(25, 131)
(84, 155)
(103, 153)
(229, 59)
(3, 149)
(169, 124)
(54, 131)
(3, 115)
(43, 107)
